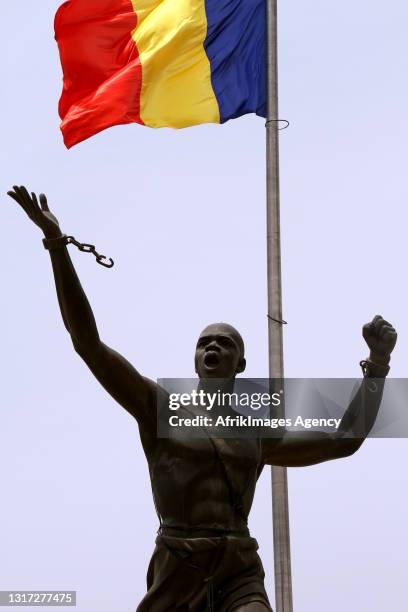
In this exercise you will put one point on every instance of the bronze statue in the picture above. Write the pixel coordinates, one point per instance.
(203, 488)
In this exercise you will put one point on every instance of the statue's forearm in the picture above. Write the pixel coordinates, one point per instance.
(362, 413)
(75, 309)
(309, 448)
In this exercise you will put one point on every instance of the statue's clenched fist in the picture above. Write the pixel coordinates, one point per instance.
(381, 338)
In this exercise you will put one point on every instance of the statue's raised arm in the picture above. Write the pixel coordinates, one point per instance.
(309, 448)
(134, 392)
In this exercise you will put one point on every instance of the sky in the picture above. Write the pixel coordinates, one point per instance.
(183, 215)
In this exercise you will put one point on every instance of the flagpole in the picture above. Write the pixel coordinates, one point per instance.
(280, 503)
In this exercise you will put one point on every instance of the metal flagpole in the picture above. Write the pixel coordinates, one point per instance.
(280, 505)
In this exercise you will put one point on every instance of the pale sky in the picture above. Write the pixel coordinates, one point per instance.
(183, 215)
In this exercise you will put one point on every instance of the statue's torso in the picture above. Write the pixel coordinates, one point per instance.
(202, 483)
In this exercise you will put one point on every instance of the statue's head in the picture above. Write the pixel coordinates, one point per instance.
(220, 352)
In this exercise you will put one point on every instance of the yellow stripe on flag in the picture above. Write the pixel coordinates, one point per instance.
(176, 74)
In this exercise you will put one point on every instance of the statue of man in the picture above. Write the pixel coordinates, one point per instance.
(203, 488)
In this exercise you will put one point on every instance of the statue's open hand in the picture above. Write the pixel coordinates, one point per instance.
(37, 212)
(381, 338)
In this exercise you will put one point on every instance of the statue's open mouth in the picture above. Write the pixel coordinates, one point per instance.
(211, 359)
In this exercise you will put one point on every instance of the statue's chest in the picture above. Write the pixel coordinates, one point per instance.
(195, 457)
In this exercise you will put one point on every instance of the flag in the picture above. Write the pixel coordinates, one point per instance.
(159, 63)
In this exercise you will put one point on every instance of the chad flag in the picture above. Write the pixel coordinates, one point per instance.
(160, 63)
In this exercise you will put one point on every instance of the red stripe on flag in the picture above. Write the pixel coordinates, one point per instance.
(101, 67)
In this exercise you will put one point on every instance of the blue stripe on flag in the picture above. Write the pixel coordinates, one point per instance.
(236, 48)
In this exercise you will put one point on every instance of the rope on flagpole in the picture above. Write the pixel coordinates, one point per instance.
(287, 123)
(280, 321)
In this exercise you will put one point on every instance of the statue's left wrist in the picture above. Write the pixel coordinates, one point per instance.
(380, 359)
(372, 368)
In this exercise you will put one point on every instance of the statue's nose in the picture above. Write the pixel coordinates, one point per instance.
(213, 346)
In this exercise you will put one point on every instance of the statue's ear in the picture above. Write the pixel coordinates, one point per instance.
(241, 365)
